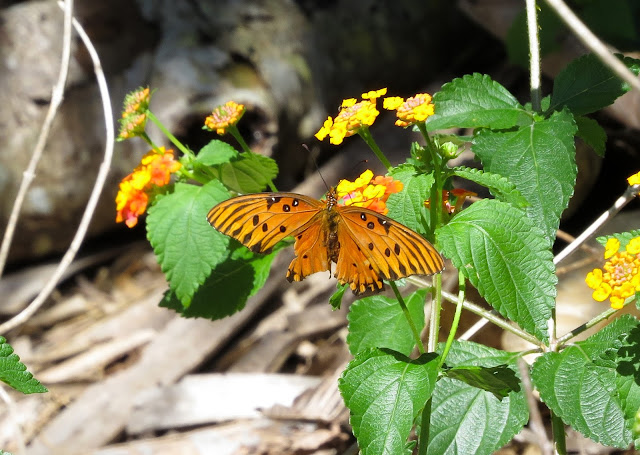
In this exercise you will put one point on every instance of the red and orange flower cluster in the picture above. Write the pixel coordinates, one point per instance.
(459, 194)
(154, 171)
(368, 191)
(620, 277)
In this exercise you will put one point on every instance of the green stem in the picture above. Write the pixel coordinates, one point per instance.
(559, 437)
(238, 137)
(456, 318)
(435, 207)
(436, 307)
(171, 137)
(405, 310)
(368, 138)
(423, 439)
(587, 325)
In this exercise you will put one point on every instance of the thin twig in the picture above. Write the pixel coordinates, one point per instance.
(534, 55)
(592, 42)
(29, 174)
(24, 315)
(535, 420)
(13, 420)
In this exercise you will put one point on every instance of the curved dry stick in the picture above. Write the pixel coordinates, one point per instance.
(24, 315)
(28, 175)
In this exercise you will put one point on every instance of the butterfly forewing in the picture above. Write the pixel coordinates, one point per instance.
(261, 220)
(390, 248)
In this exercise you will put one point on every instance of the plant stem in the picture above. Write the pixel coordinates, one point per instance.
(436, 307)
(365, 134)
(435, 197)
(167, 133)
(559, 438)
(405, 310)
(238, 137)
(423, 440)
(534, 53)
(587, 325)
(456, 318)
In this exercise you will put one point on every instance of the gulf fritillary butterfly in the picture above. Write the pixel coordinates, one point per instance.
(366, 246)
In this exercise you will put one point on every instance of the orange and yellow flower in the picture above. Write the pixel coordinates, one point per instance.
(460, 196)
(134, 113)
(619, 279)
(415, 109)
(634, 179)
(368, 191)
(353, 116)
(225, 116)
(154, 171)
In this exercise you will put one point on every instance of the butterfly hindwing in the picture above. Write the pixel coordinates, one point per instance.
(392, 250)
(261, 220)
(310, 249)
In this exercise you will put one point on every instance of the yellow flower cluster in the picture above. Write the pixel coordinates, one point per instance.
(154, 170)
(413, 110)
(620, 277)
(353, 116)
(634, 179)
(134, 113)
(369, 192)
(224, 117)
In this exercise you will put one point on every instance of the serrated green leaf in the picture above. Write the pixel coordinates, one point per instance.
(540, 161)
(582, 395)
(467, 419)
(378, 322)
(187, 247)
(385, 391)
(248, 172)
(499, 380)
(592, 134)
(587, 85)
(407, 206)
(623, 238)
(216, 152)
(230, 284)
(501, 188)
(14, 373)
(598, 344)
(474, 101)
(506, 257)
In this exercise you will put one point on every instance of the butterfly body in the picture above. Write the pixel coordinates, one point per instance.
(366, 246)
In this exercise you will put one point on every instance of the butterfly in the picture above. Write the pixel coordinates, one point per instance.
(366, 246)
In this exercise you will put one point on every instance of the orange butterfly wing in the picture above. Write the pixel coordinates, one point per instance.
(261, 220)
(374, 247)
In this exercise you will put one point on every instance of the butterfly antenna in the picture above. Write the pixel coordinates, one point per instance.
(317, 167)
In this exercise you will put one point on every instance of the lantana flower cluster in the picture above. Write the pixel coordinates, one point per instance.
(619, 278)
(154, 171)
(224, 116)
(413, 110)
(368, 191)
(134, 114)
(459, 194)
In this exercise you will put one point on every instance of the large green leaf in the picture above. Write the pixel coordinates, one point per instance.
(385, 391)
(506, 257)
(474, 101)
(498, 185)
(14, 373)
(540, 160)
(467, 419)
(378, 322)
(187, 247)
(216, 152)
(407, 206)
(248, 172)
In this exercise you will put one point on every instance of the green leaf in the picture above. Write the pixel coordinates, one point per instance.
(474, 101)
(592, 134)
(582, 395)
(407, 206)
(586, 85)
(14, 373)
(216, 152)
(540, 160)
(378, 322)
(468, 419)
(499, 186)
(248, 172)
(230, 284)
(499, 380)
(187, 247)
(623, 238)
(385, 392)
(601, 342)
(336, 298)
(506, 257)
